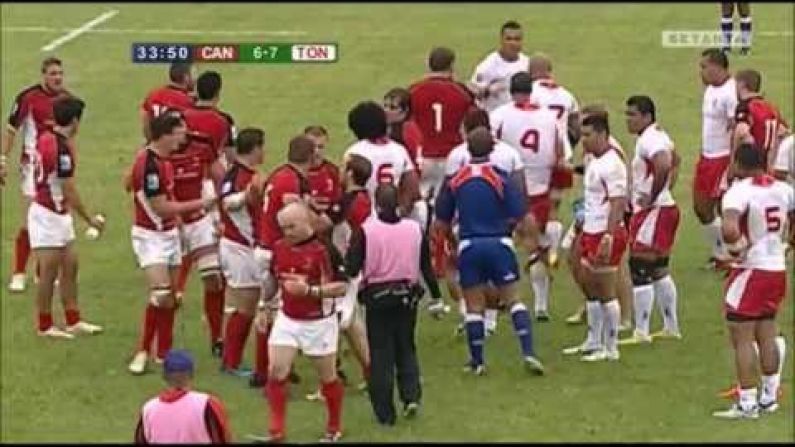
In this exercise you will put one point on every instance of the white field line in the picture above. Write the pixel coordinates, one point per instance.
(186, 32)
(78, 31)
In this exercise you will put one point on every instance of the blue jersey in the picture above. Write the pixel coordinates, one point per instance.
(487, 202)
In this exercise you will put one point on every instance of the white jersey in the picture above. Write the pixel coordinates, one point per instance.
(650, 142)
(605, 178)
(556, 98)
(503, 156)
(717, 112)
(764, 204)
(534, 132)
(495, 69)
(389, 161)
(785, 156)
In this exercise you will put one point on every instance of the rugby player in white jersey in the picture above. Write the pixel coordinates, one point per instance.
(710, 179)
(756, 211)
(603, 240)
(570, 242)
(493, 74)
(655, 219)
(548, 93)
(534, 132)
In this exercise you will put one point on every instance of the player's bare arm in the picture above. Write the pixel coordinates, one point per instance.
(73, 198)
(617, 207)
(297, 285)
(732, 235)
(661, 167)
(408, 191)
(145, 123)
(676, 162)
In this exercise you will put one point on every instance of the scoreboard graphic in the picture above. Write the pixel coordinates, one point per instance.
(257, 53)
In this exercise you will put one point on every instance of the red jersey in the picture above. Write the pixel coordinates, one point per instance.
(55, 163)
(325, 185)
(763, 119)
(152, 176)
(239, 226)
(166, 97)
(191, 166)
(32, 112)
(217, 125)
(438, 106)
(356, 207)
(283, 180)
(311, 258)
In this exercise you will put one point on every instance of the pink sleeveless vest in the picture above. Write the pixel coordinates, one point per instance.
(392, 251)
(178, 422)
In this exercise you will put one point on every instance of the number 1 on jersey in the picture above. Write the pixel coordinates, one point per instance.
(437, 116)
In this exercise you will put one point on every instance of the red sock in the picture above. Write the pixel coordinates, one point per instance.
(276, 392)
(45, 321)
(333, 393)
(214, 312)
(72, 316)
(21, 251)
(149, 326)
(237, 328)
(184, 271)
(165, 330)
(261, 355)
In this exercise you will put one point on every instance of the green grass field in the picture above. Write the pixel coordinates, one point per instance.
(80, 391)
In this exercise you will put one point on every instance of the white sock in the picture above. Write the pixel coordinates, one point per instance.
(747, 398)
(665, 292)
(593, 310)
(539, 279)
(769, 388)
(612, 316)
(643, 302)
(712, 232)
(554, 230)
(781, 344)
(491, 319)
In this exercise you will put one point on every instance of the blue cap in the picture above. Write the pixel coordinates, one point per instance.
(178, 361)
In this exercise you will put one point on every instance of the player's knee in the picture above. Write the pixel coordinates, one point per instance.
(161, 296)
(640, 271)
(209, 267)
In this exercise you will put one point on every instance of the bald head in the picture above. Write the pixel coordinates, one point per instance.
(480, 143)
(539, 66)
(295, 222)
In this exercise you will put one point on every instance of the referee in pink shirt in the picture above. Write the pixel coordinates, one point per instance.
(179, 415)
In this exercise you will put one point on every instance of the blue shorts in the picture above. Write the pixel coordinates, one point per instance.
(487, 259)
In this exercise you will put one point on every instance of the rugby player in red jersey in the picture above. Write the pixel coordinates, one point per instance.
(155, 237)
(757, 120)
(217, 129)
(174, 95)
(240, 214)
(286, 184)
(438, 106)
(191, 164)
(308, 279)
(50, 221)
(31, 114)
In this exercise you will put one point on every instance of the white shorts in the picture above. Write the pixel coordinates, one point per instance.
(156, 247)
(432, 176)
(239, 266)
(199, 234)
(315, 338)
(346, 305)
(48, 229)
(27, 179)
